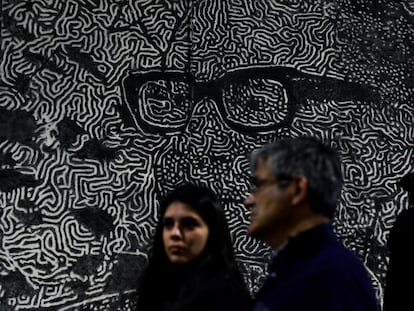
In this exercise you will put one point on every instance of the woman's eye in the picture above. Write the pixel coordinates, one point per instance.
(168, 223)
(189, 223)
(186, 223)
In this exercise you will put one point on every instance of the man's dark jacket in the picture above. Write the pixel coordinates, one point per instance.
(314, 271)
(399, 285)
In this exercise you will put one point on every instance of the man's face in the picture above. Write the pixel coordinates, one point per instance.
(271, 206)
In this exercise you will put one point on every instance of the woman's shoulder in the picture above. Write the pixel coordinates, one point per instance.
(221, 292)
(212, 281)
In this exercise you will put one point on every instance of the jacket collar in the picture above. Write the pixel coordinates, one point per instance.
(302, 246)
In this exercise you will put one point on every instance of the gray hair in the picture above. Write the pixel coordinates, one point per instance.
(308, 157)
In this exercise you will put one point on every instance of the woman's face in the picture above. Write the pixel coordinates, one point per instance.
(184, 233)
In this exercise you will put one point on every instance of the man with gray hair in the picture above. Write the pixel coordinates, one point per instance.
(296, 186)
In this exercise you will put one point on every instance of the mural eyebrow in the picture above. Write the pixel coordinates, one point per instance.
(323, 88)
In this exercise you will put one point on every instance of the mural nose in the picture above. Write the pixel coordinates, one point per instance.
(205, 121)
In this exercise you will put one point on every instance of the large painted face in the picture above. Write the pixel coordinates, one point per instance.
(119, 102)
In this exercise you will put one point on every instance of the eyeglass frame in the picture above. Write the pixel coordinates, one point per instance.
(257, 183)
(333, 87)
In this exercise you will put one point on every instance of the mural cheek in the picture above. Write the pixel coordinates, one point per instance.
(43, 253)
(77, 214)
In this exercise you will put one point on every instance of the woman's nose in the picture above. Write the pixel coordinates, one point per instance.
(176, 231)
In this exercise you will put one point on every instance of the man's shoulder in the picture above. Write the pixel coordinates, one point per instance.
(336, 256)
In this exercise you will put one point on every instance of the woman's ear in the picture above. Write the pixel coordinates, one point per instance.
(301, 190)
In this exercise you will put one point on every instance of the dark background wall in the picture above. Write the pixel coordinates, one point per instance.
(106, 105)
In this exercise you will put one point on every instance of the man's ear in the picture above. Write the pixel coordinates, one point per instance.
(301, 189)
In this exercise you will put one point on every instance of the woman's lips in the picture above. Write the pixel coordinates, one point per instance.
(176, 249)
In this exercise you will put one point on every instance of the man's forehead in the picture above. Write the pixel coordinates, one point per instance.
(262, 166)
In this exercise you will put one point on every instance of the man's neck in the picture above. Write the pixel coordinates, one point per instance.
(308, 223)
(279, 241)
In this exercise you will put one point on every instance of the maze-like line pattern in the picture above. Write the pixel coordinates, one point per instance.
(80, 179)
(239, 33)
(54, 252)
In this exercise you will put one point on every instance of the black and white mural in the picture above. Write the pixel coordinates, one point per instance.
(107, 104)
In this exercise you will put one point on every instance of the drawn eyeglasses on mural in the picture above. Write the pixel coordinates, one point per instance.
(250, 100)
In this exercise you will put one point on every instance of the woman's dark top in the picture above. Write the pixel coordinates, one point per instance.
(214, 294)
(199, 290)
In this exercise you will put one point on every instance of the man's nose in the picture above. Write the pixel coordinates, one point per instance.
(206, 118)
(249, 200)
